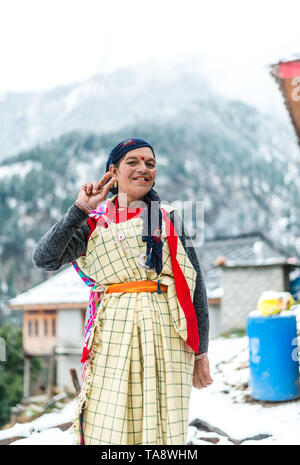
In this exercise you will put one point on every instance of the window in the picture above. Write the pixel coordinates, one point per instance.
(36, 326)
(29, 328)
(53, 327)
(46, 327)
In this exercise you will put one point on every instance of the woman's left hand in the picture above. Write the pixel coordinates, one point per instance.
(201, 375)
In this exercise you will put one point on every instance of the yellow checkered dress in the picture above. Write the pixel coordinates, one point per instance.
(138, 380)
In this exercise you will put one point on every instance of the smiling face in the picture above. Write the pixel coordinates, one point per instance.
(135, 173)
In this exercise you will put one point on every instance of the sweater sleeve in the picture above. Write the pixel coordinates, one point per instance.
(200, 295)
(64, 242)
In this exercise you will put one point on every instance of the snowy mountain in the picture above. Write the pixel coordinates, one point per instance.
(160, 90)
(157, 91)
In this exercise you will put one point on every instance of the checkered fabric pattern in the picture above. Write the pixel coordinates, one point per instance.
(139, 376)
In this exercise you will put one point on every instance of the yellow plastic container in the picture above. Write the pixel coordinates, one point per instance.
(272, 302)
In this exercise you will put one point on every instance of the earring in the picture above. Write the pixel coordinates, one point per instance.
(116, 184)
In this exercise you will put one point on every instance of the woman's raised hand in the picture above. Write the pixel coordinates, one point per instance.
(93, 193)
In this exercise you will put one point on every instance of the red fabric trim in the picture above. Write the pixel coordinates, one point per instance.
(124, 215)
(289, 69)
(92, 224)
(182, 289)
(85, 353)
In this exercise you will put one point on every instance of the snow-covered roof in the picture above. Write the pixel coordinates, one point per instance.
(216, 293)
(258, 262)
(63, 289)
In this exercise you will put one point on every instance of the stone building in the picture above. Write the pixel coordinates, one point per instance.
(237, 270)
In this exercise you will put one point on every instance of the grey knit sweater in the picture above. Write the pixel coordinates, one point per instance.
(67, 240)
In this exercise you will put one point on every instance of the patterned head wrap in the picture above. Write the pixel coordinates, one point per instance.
(152, 226)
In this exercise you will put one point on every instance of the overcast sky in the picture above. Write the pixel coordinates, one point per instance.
(51, 42)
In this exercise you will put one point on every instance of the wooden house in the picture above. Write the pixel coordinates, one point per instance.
(53, 323)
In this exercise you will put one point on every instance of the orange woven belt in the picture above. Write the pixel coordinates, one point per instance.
(136, 286)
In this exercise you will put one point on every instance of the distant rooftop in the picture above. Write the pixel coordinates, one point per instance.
(245, 249)
(64, 289)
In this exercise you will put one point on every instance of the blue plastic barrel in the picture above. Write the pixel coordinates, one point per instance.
(273, 357)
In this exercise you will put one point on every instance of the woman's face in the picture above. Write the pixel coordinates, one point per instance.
(137, 163)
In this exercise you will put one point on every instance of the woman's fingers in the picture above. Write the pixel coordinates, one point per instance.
(88, 187)
(197, 383)
(94, 188)
(206, 374)
(205, 377)
(202, 380)
(96, 192)
(104, 180)
(105, 190)
(209, 379)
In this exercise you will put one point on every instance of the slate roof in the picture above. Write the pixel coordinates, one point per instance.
(252, 248)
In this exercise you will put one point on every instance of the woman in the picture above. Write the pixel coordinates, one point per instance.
(147, 315)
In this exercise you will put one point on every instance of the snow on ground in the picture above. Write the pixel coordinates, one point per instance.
(43, 430)
(51, 436)
(226, 406)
